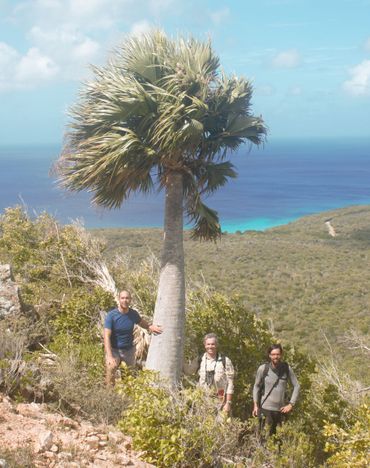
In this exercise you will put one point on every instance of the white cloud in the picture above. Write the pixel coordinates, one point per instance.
(65, 36)
(8, 60)
(35, 67)
(287, 59)
(8, 56)
(24, 71)
(141, 27)
(359, 84)
(219, 16)
(69, 48)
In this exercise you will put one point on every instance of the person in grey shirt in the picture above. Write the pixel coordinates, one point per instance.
(270, 388)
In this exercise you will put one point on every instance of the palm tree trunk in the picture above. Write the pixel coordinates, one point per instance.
(166, 350)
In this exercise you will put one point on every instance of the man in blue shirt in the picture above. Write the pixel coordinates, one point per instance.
(119, 335)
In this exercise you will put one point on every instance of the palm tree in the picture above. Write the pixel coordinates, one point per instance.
(161, 114)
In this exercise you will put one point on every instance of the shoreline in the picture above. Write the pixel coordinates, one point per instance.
(256, 224)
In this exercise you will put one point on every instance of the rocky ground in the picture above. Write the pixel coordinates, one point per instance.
(30, 435)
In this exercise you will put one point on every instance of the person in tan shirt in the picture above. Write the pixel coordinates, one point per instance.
(216, 372)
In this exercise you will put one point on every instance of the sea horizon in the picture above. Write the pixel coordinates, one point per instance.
(278, 183)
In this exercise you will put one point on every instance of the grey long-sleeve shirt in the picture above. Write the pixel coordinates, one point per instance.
(275, 400)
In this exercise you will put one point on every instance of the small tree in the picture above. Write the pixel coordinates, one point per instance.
(161, 114)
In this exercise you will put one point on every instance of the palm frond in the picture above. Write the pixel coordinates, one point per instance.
(206, 222)
(160, 104)
(209, 176)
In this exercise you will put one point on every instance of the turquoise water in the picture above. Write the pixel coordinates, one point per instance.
(260, 224)
(276, 184)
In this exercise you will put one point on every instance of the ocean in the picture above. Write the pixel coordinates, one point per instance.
(277, 183)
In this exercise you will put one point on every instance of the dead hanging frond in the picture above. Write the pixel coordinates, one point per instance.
(348, 388)
(141, 341)
(99, 275)
(356, 341)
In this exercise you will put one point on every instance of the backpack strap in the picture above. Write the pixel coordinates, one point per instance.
(284, 368)
(218, 357)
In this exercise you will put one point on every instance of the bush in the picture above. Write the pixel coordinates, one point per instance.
(77, 381)
(243, 338)
(20, 457)
(176, 428)
(12, 350)
(350, 448)
(48, 259)
(79, 317)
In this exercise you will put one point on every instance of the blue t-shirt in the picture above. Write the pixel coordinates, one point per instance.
(122, 326)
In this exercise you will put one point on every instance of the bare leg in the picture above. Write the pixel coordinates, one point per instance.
(111, 367)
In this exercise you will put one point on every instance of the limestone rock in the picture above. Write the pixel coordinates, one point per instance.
(45, 441)
(10, 301)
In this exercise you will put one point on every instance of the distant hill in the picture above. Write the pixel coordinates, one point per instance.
(305, 282)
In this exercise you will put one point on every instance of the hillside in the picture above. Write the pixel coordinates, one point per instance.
(305, 282)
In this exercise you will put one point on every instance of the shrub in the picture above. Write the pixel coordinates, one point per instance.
(242, 337)
(79, 317)
(78, 384)
(12, 350)
(176, 428)
(349, 448)
(20, 457)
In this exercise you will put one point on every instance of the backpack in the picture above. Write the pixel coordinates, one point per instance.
(283, 369)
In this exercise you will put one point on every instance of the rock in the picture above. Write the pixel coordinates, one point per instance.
(45, 441)
(65, 456)
(127, 442)
(10, 301)
(54, 448)
(69, 423)
(115, 437)
(32, 410)
(3, 463)
(92, 441)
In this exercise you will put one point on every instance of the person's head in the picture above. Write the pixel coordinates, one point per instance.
(210, 343)
(124, 300)
(275, 353)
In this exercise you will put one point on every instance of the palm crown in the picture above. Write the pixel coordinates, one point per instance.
(159, 106)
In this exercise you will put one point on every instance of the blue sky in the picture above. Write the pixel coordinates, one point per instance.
(309, 60)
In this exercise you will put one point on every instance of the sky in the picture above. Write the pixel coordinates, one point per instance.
(308, 60)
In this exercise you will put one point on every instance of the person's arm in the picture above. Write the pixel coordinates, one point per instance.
(256, 388)
(108, 347)
(230, 373)
(157, 330)
(202, 373)
(293, 380)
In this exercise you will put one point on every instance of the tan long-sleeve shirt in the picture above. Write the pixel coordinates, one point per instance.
(223, 376)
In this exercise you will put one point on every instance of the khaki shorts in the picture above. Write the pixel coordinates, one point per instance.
(125, 355)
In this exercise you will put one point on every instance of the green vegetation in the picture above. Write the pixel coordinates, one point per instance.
(53, 351)
(305, 283)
